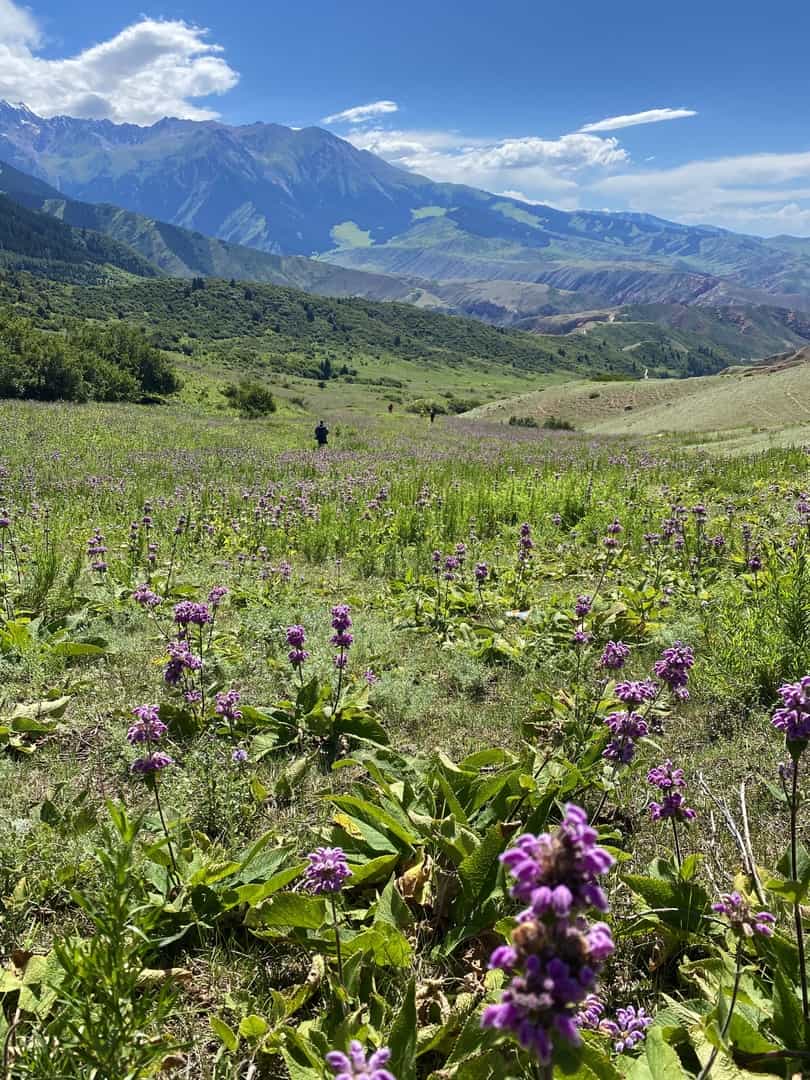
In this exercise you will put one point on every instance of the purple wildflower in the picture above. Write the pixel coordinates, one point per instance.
(625, 728)
(582, 606)
(216, 595)
(590, 1013)
(666, 777)
(554, 957)
(239, 756)
(357, 1066)
(615, 655)
(342, 638)
(148, 726)
(152, 763)
(227, 705)
(296, 637)
(793, 718)
(181, 659)
(557, 872)
(674, 665)
(554, 967)
(581, 637)
(674, 806)
(628, 1029)
(481, 572)
(634, 694)
(188, 612)
(743, 921)
(327, 871)
(144, 596)
(371, 677)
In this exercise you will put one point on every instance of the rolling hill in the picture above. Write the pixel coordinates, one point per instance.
(742, 406)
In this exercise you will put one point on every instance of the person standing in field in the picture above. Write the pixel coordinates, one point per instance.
(321, 434)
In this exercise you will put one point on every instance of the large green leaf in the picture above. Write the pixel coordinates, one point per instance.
(788, 1020)
(402, 1037)
(289, 910)
(479, 871)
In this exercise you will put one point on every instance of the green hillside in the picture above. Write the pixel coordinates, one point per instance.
(40, 244)
(294, 331)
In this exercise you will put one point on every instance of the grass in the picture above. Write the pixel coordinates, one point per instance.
(358, 523)
(768, 404)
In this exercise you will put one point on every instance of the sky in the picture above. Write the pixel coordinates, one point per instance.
(695, 111)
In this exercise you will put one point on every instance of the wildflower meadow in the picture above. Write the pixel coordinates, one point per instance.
(446, 752)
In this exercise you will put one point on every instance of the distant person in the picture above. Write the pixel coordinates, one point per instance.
(390, 406)
(321, 433)
(432, 413)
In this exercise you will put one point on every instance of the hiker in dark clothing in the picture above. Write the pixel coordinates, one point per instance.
(390, 406)
(321, 433)
(432, 415)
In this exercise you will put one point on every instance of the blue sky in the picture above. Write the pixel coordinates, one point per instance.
(538, 98)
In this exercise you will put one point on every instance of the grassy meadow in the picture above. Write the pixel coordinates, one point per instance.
(161, 920)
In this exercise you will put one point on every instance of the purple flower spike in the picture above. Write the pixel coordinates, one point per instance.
(674, 806)
(187, 612)
(152, 763)
(148, 727)
(356, 1065)
(559, 871)
(615, 655)
(666, 777)
(628, 1029)
(793, 719)
(742, 920)
(582, 606)
(674, 666)
(626, 729)
(633, 694)
(327, 871)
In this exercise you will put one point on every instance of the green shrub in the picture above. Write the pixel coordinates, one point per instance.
(555, 423)
(114, 363)
(251, 398)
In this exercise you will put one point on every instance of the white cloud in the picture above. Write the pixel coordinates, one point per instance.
(151, 69)
(358, 114)
(650, 116)
(541, 167)
(760, 193)
(17, 25)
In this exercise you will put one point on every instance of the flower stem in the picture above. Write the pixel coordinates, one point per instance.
(677, 843)
(707, 1068)
(794, 869)
(176, 873)
(337, 942)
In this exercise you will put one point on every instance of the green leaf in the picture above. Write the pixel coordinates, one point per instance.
(226, 1035)
(373, 871)
(375, 816)
(362, 726)
(290, 909)
(788, 1021)
(253, 1027)
(53, 708)
(479, 871)
(254, 894)
(388, 946)
(392, 909)
(78, 648)
(402, 1038)
(664, 1063)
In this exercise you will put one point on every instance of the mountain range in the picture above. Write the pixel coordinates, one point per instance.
(308, 209)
